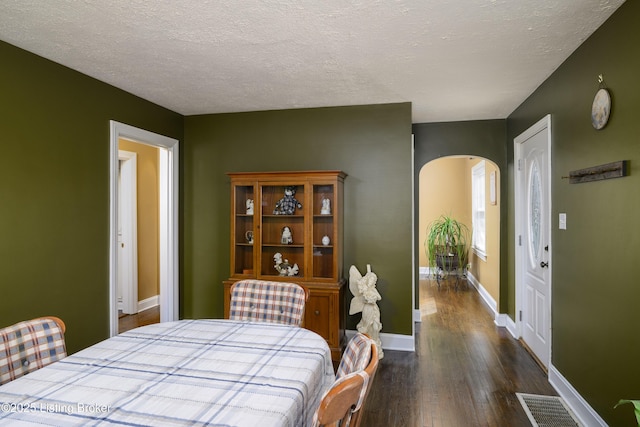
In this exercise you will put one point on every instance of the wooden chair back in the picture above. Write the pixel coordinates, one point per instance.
(337, 405)
(356, 355)
(267, 301)
(30, 345)
(371, 370)
(342, 405)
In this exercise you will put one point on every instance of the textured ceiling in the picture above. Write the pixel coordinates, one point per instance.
(452, 59)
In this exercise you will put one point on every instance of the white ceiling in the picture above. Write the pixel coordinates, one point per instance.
(452, 59)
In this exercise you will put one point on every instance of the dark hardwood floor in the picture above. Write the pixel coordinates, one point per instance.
(130, 321)
(465, 371)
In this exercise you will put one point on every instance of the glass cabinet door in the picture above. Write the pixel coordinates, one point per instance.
(282, 230)
(243, 230)
(323, 230)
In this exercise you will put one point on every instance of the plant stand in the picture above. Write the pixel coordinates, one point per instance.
(448, 264)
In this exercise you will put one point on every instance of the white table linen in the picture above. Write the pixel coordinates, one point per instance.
(190, 372)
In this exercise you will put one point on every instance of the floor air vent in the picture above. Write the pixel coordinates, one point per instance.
(547, 411)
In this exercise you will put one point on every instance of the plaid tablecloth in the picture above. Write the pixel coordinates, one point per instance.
(190, 372)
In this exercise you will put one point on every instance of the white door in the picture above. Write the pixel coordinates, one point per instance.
(533, 231)
(127, 282)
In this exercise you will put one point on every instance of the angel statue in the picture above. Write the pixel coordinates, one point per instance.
(364, 300)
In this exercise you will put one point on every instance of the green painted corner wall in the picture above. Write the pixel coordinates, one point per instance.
(372, 144)
(594, 263)
(54, 190)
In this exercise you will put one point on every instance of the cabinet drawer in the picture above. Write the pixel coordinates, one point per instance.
(317, 315)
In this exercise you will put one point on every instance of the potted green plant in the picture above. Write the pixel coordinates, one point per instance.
(636, 405)
(446, 245)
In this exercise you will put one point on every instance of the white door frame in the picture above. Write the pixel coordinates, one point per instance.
(129, 228)
(169, 292)
(543, 124)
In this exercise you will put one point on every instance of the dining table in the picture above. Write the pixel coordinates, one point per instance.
(205, 372)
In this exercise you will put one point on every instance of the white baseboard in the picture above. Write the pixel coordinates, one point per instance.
(486, 297)
(484, 294)
(148, 303)
(503, 320)
(585, 413)
(392, 341)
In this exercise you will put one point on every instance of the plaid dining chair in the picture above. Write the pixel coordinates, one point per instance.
(343, 403)
(266, 301)
(342, 400)
(30, 345)
(356, 355)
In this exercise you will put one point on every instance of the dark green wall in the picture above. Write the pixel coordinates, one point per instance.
(595, 261)
(372, 144)
(54, 190)
(482, 138)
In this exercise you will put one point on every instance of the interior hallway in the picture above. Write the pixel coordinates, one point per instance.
(465, 371)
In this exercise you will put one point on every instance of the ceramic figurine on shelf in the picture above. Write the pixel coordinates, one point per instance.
(283, 267)
(365, 297)
(249, 206)
(288, 204)
(287, 237)
(326, 240)
(326, 207)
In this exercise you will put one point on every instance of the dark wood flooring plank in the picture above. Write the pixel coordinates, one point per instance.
(465, 371)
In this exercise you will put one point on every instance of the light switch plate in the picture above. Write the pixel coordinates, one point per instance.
(562, 222)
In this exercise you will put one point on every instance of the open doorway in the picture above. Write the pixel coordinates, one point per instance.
(138, 234)
(446, 187)
(167, 219)
(127, 284)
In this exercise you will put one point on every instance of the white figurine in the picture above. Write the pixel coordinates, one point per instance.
(283, 267)
(249, 206)
(365, 296)
(292, 270)
(287, 238)
(326, 207)
(277, 258)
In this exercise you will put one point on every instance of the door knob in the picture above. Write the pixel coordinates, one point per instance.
(544, 264)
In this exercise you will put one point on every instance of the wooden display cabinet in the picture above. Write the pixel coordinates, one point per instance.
(314, 245)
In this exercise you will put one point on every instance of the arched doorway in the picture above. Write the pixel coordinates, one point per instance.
(445, 187)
